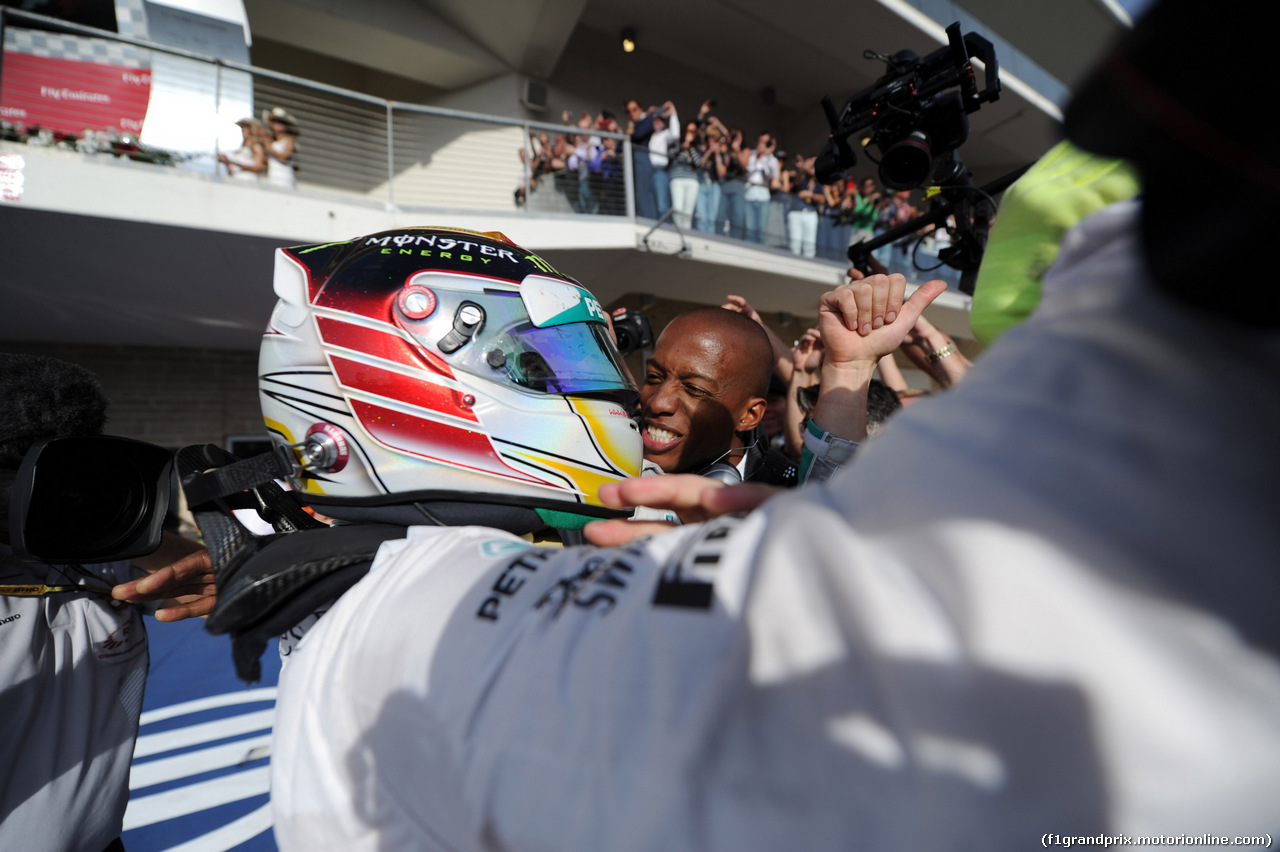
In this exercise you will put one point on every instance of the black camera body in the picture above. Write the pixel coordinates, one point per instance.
(87, 499)
(916, 116)
(632, 330)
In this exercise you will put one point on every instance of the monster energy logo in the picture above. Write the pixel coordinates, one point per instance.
(542, 264)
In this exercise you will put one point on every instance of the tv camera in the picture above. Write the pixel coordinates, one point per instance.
(917, 115)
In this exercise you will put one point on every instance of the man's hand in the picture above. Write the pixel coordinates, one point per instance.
(693, 498)
(806, 356)
(781, 352)
(877, 268)
(923, 340)
(864, 320)
(186, 587)
(742, 306)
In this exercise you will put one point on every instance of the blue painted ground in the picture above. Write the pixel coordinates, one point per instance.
(199, 778)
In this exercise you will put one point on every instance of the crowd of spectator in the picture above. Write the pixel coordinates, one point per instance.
(586, 168)
(710, 177)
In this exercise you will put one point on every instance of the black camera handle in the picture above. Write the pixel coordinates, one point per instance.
(955, 196)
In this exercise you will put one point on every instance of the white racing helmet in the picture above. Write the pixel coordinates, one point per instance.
(430, 365)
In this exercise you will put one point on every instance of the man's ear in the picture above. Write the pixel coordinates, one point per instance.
(751, 413)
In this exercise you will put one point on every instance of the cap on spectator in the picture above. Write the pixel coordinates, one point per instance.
(281, 115)
(250, 121)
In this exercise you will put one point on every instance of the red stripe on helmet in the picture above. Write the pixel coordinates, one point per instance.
(401, 388)
(380, 344)
(451, 445)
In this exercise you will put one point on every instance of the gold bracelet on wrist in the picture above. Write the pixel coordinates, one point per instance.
(938, 354)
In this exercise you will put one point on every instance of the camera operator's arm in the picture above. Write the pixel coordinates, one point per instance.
(179, 574)
(861, 322)
(781, 352)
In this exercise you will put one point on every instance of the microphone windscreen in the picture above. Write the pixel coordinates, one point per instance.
(44, 397)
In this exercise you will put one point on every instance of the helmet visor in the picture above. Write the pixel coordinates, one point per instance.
(573, 358)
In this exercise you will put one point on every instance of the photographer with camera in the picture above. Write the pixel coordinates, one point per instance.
(761, 170)
(802, 221)
(713, 171)
(73, 653)
(640, 129)
(733, 188)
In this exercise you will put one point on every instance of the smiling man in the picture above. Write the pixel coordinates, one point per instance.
(704, 394)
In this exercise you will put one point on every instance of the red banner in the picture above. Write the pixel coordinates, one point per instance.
(69, 95)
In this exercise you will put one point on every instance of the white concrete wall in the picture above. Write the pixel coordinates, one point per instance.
(101, 185)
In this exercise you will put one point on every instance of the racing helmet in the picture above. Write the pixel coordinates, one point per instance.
(435, 364)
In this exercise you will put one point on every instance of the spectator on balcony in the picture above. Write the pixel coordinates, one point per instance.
(607, 175)
(711, 175)
(833, 226)
(761, 168)
(526, 179)
(897, 210)
(733, 188)
(640, 129)
(565, 183)
(585, 149)
(663, 145)
(784, 187)
(683, 172)
(864, 211)
(282, 149)
(707, 201)
(248, 162)
(541, 162)
(802, 222)
(536, 162)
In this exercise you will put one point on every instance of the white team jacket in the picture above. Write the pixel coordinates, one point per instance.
(73, 670)
(1044, 603)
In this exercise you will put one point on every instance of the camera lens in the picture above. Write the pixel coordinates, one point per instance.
(97, 502)
(626, 343)
(92, 499)
(907, 163)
